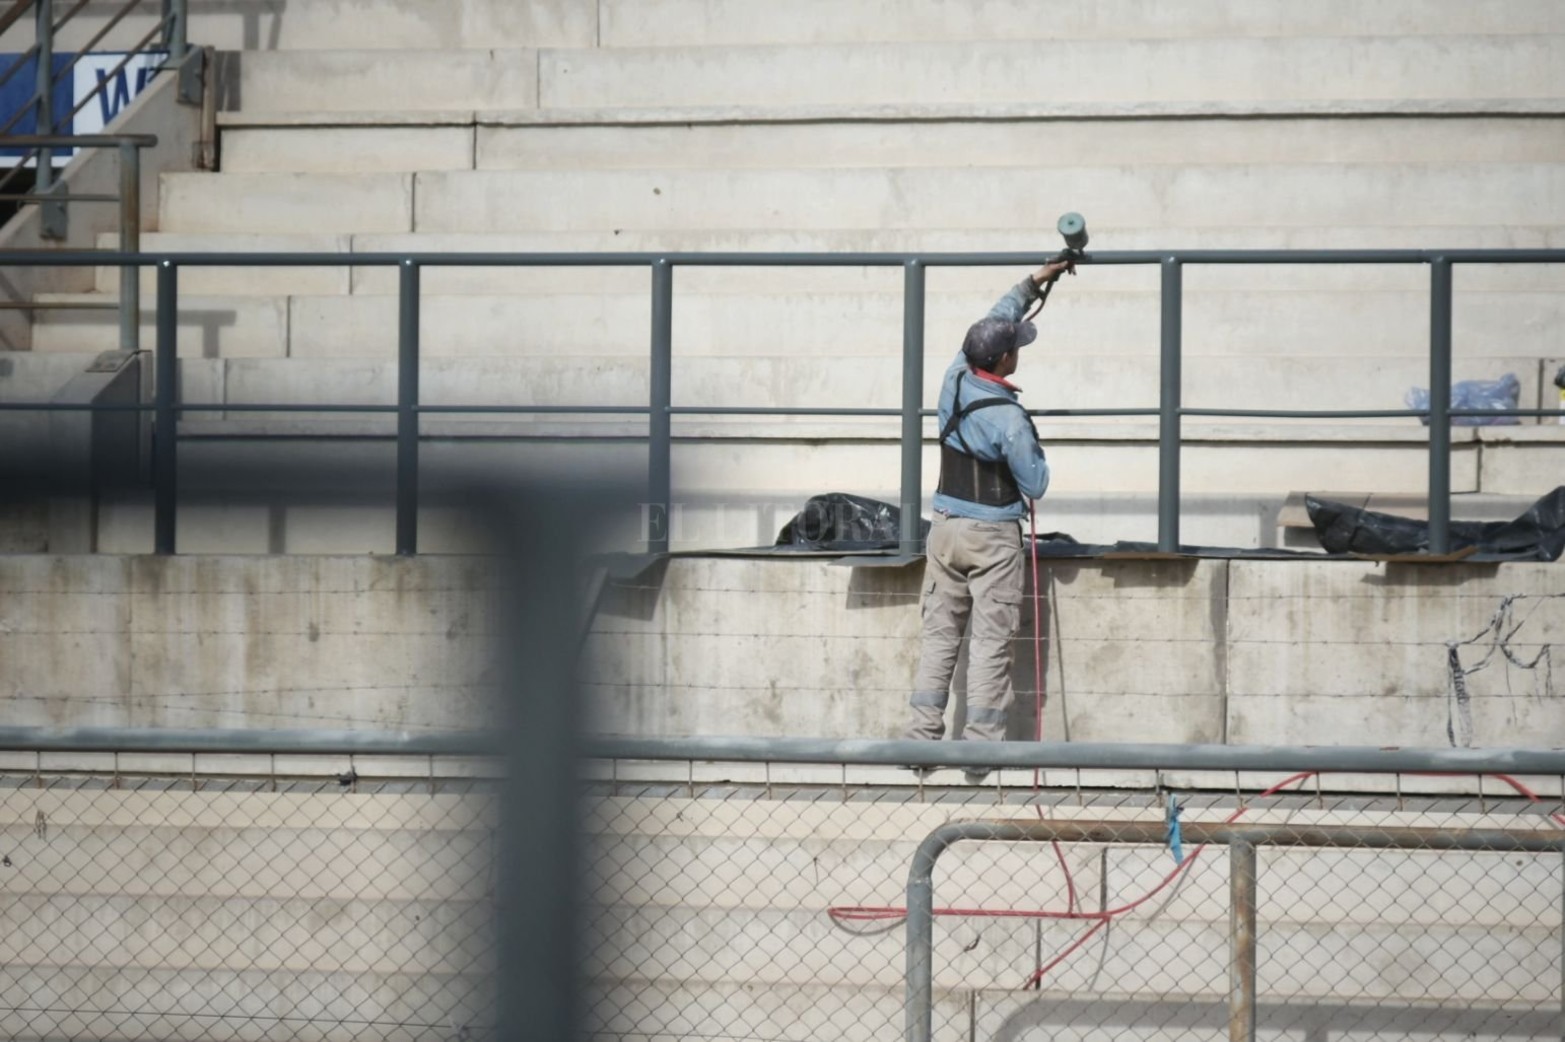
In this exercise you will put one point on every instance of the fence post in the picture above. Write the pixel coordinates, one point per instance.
(165, 462)
(1440, 406)
(407, 407)
(660, 398)
(52, 223)
(1241, 925)
(1169, 406)
(130, 242)
(911, 536)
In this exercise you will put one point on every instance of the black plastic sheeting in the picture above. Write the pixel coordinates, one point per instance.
(841, 521)
(1537, 535)
(838, 522)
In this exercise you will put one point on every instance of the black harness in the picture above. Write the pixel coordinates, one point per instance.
(965, 476)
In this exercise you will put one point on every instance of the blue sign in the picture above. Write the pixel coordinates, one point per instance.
(111, 82)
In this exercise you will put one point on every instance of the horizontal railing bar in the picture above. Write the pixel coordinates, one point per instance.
(78, 258)
(696, 410)
(58, 305)
(215, 740)
(1085, 755)
(849, 752)
(1373, 837)
(50, 197)
(83, 140)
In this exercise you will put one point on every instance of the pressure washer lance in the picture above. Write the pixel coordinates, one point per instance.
(1073, 229)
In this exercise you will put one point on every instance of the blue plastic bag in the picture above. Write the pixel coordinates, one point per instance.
(1503, 393)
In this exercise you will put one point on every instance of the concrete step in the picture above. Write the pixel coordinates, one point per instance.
(293, 204)
(499, 142)
(1063, 381)
(1045, 144)
(1194, 196)
(814, 326)
(1471, 68)
(627, 23)
(1176, 198)
(981, 283)
(347, 150)
(208, 326)
(404, 80)
(341, 24)
(235, 281)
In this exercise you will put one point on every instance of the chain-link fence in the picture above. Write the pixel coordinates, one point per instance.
(358, 899)
(761, 910)
(327, 905)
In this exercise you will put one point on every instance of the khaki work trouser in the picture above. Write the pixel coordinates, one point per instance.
(973, 583)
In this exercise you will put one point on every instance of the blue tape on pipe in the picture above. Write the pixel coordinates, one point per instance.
(1175, 843)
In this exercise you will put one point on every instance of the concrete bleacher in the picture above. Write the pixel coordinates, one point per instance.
(734, 126)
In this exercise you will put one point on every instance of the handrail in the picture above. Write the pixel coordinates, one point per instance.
(659, 409)
(129, 198)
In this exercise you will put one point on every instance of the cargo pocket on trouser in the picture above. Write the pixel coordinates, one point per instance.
(997, 618)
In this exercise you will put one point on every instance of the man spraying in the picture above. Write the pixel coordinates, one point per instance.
(991, 465)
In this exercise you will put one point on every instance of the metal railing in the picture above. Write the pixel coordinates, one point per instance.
(169, 31)
(128, 147)
(661, 409)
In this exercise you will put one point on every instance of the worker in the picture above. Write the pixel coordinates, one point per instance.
(991, 465)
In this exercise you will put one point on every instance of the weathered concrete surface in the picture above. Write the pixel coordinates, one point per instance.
(1467, 67)
(632, 23)
(1274, 653)
(386, 81)
(351, 24)
(995, 143)
(244, 642)
(338, 150)
(1190, 196)
(289, 203)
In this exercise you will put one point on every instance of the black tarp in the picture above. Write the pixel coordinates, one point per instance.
(1537, 535)
(841, 521)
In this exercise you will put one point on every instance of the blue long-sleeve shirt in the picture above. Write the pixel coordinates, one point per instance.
(996, 433)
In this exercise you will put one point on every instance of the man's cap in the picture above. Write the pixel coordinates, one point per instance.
(989, 338)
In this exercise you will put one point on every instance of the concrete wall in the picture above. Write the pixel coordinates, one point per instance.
(259, 642)
(1249, 652)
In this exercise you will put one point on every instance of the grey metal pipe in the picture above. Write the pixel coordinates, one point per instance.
(130, 240)
(165, 460)
(918, 994)
(660, 436)
(239, 742)
(176, 15)
(407, 408)
(1085, 755)
(1171, 384)
(1241, 926)
(1440, 406)
(83, 258)
(52, 223)
(910, 534)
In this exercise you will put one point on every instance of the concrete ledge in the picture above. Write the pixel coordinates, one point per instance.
(933, 112)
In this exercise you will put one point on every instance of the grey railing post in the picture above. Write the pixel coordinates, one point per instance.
(1440, 406)
(660, 398)
(407, 408)
(130, 242)
(165, 461)
(1169, 405)
(918, 999)
(911, 537)
(1241, 925)
(52, 214)
(175, 30)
